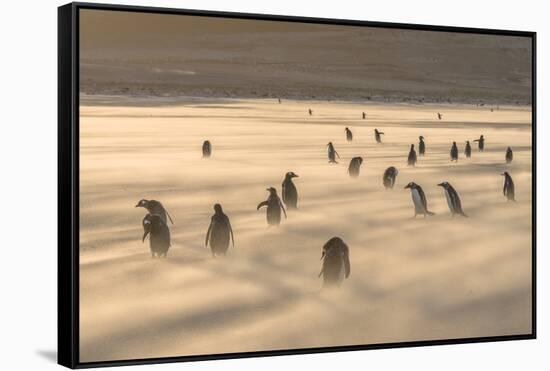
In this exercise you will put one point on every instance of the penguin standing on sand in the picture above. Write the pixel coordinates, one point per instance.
(206, 149)
(274, 207)
(452, 199)
(389, 177)
(219, 232)
(439, 116)
(509, 189)
(468, 149)
(481, 143)
(411, 160)
(454, 152)
(159, 234)
(290, 193)
(349, 135)
(377, 136)
(155, 207)
(421, 146)
(332, 153)
(279, 100)
(355, 166)
(336, 264)
(310, 112)
(364, 115)
(419, 200)
(509, 155)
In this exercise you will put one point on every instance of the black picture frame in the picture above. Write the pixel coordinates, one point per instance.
(68, 183)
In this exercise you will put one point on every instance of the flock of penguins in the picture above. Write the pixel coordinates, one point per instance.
(335, 252)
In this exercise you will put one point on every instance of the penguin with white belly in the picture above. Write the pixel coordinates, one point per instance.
(419, 200)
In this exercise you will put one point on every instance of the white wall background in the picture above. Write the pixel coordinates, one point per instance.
(28, 180)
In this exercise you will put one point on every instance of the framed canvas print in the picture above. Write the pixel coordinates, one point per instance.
(237, 185)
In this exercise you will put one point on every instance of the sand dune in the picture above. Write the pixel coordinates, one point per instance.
(432, 278)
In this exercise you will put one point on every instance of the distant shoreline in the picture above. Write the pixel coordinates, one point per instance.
(111, 99)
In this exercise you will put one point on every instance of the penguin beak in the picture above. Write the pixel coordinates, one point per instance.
(267, 189)
(137, 205)
(295, 176)
(440, 184)
(144, 235)
(407, 186)
(322, 255)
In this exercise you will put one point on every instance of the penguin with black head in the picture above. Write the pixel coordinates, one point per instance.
(336, 262)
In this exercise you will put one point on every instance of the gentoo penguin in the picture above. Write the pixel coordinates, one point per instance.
(159, 234)
(364, 115)
(145, 223)
(509, 155)
(421, 146)
(389, 177)
(481, 145)
(439, 116)
(155, 207)
(218, 232)
(509, 189)
(274, 206)
(310, 112)
(206, 149)
(454, 152)
(452, 199)
(419, 200)
(336, 265)
(377, 136)
(355, 166)
(468, 149)
(290, 194)
(411, 160)
(349, 135)
(332, 153)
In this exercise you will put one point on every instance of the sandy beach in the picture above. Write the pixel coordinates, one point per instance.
(411, 279)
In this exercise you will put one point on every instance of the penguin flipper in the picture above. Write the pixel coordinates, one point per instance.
(261, 204)
(208, 234)
(423, 199)
(347, 264)
(282, 207)
(169, 217)
(231, 231)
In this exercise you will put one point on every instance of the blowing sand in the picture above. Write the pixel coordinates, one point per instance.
(433, 278)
